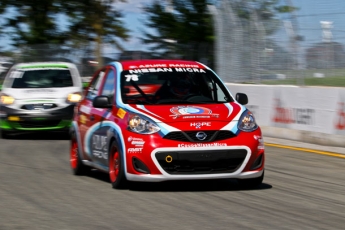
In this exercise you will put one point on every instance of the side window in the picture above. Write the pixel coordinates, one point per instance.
(109, 85)
(95, 86)
(212, 88)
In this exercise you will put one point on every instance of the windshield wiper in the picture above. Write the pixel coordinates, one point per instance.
(139, 90)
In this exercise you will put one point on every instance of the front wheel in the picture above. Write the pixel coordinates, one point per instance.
(78, 168)
(116, 167)
(252, 182)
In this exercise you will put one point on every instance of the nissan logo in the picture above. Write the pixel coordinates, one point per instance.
(201, 136)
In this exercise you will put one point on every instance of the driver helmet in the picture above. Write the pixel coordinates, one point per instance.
(180, 87)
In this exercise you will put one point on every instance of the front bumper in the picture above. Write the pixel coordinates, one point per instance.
(204, 167)
(26, 120)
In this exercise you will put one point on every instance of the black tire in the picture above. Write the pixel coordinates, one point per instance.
(116, 167)
(251, 183)
(4, 134)
(78, 168)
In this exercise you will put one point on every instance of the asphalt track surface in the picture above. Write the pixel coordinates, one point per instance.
(301, 190)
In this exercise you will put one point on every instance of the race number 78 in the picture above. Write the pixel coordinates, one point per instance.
(132, 77)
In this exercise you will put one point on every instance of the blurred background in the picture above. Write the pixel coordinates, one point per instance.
(244, 41)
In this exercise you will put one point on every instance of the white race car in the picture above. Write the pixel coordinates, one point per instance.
(39, 96)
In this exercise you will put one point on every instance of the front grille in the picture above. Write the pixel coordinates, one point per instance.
(201, 162)
(39, 124)
(40, 106)
(190, 136)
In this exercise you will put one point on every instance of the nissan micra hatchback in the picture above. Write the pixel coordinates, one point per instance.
(160, 120)
(39, 96)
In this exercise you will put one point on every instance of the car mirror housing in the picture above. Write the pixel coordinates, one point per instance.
(101, 102)
(242, 98)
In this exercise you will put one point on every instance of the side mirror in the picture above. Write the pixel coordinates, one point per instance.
(242, 98)
(101, 102)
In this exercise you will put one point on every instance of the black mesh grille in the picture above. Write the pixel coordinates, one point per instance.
(201, 162)
(39, 124)
(190, 136)
(41, 106)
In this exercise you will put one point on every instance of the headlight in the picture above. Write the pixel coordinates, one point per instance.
(140, 125)
(247, 122)
(74, 97)
(6, 99)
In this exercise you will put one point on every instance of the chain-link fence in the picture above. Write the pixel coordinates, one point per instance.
(303, 45)
(289, 48)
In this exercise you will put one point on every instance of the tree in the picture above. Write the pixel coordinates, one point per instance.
(187, 30)
(265, 10)
(35, 23)
(97, 22)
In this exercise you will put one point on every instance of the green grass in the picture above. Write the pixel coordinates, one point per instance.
(327, 81)
(333, 77)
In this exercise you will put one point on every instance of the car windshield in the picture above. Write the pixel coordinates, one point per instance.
(41, 78)
(172, 86)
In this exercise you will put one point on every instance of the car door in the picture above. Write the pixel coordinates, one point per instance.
(85, 119)
(98, 132)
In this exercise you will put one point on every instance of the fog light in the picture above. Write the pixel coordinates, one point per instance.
(140, 166)
(13, 118)
(257, 163)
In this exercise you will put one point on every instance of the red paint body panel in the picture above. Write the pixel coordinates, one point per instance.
(187, 123)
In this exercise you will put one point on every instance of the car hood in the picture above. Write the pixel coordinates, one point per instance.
(186, 113)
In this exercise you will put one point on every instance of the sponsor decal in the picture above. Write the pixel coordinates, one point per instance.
(85, 109)
(283, 115)
(201, 145)
(121, 113)
(82, 119)
(99, 146)
(164, 66)
(135, 150)
(40, 90)
(44, 66)
(261, 145)
(190, 112)
(136, 141)
(198, 125)
(340, 120)
(132, 76)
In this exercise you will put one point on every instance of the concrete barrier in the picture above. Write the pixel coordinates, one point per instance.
(307, 114)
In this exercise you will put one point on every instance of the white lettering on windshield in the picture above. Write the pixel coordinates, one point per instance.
(191, 70)
(183, 65)
(157, 70)
(150, 70)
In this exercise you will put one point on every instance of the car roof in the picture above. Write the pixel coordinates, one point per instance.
(159, 63)
(28, 65)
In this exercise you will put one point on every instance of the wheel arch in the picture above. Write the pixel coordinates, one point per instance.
(117, 137)
(74, 129)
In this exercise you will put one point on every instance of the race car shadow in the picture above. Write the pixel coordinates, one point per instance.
(182, 186)
(193, 186)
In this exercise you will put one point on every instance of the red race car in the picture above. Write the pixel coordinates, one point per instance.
(160, 120)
